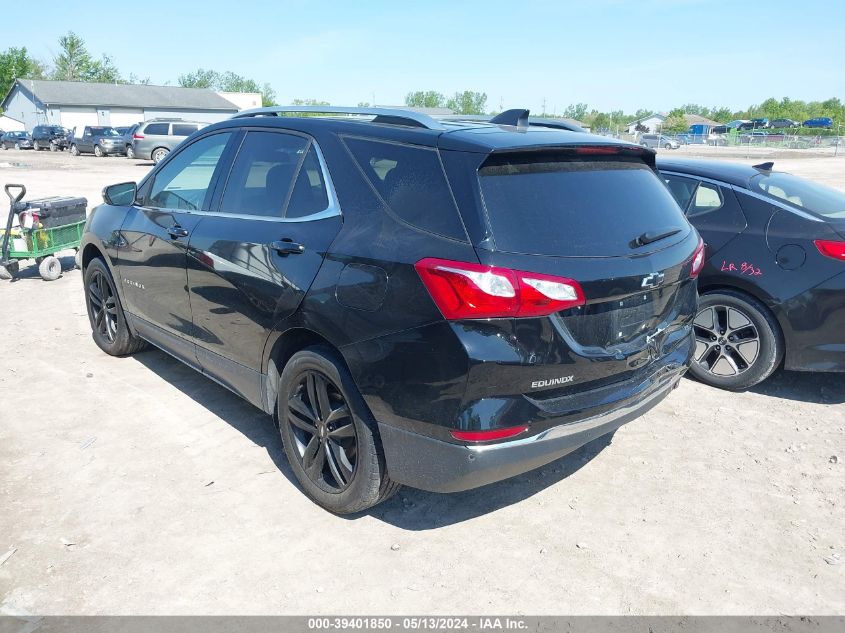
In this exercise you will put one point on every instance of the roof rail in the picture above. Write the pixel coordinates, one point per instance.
(393, 116)
(534, 121)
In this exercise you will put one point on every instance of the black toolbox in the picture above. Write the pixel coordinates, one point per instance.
(57, 211)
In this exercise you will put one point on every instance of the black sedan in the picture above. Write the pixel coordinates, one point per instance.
(773, 284)
(16, 140)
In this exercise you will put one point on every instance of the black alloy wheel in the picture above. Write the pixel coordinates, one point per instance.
(102, 306)
(323, 431)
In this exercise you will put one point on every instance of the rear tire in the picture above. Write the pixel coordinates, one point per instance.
(105, 313)
(98, 151)
(53, 147)
(50, 268)
(330, 438)
(130, 152)
(159, 154)
(751, 356)
(74, 150)
(36, 146)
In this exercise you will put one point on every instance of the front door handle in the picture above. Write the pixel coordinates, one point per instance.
(177, 231)
(287, 247)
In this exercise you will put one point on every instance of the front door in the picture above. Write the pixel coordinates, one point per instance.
(154, 241)
(253, 259)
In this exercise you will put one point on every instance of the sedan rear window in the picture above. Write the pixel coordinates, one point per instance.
(587, 206)
(801, 193)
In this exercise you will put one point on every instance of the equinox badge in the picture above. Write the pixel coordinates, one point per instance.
(653, 280)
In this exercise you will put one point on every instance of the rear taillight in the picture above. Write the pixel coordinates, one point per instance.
(600, 149)
(138, 137)
(829, 248)
(697, 260)
(487, 436)
(471, 291)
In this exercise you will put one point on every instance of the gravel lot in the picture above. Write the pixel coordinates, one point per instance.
(137, 486)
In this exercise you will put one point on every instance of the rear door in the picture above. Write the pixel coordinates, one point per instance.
(605, 220)
(154, 239)
(254, 258)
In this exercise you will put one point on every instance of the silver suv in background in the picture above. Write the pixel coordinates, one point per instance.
(154, 139)
(654, 141)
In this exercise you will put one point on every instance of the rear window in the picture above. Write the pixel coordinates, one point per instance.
(411, 181)
(181, 129)
(554, 205)
(801, 193)
(156, 128)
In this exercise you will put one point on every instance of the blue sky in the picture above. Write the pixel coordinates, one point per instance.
(609, 54)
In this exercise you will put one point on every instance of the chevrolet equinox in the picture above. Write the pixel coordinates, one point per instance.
(442, 303)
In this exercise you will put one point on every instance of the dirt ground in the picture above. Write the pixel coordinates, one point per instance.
(135, 485)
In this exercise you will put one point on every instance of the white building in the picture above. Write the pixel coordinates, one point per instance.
(8, 124)
(74, 103)
(651, 123)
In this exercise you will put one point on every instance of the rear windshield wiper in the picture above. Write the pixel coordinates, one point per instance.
(654, 236)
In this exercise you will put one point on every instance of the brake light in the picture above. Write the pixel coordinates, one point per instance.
(487, 436)
(138, 137)
(471, 291)
(598, 150)
(829, 248)
(697, 260)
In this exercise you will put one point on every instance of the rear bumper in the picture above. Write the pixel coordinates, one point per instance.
(812, 323)
(430, 464)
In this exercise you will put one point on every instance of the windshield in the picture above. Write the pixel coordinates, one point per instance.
(801, 193)
(550, 205)
(104, 131)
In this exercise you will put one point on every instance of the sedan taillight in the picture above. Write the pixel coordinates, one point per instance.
(697, 260)
(471, 291)
(829, 248)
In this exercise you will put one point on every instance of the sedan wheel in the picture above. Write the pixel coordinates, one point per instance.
(98, 151)
(737, 342)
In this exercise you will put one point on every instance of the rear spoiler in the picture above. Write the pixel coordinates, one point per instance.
(648, 156)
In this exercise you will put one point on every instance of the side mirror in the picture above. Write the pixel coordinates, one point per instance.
(120, 195)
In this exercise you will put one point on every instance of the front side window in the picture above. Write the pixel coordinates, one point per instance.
(183, 182)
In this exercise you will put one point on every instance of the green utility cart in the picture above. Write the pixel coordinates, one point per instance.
(43, 228)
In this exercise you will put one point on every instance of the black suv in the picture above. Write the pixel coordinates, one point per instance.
(52, 137)
(441, 303)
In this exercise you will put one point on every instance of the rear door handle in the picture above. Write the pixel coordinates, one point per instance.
(287, 247)
(177, 231)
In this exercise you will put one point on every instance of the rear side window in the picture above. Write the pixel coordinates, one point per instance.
(411, 182)
(181, 129)
(682, 188)
(263, 173)
(551, 204)
(156, 128)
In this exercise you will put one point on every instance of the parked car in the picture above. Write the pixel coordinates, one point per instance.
(16, 140)
(127, 136)
(658, 140)
(773, 284)
(341, 273)
(784, 123)
(98, 140)
(821, 121)
(738, 124)
(52, 137)
(760, 123)
(156, 138)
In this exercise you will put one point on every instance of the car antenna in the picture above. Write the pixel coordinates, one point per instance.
(517, 117)
(765, 166)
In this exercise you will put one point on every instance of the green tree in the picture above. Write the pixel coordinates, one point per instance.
(15, 63)
(675, 122)
(468, 102)
(425, 99)
(227, 82)
(577, 111)
(722, 115)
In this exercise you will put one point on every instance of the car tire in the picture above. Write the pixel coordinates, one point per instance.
(74, 150)
(53, 147)
(130, 152)
(105, 313)
(36, 146)
(50, 268)
(667, 146)
(98, 151)
(738, 341)
(347, 471)
(159, 154)
(17, 146)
